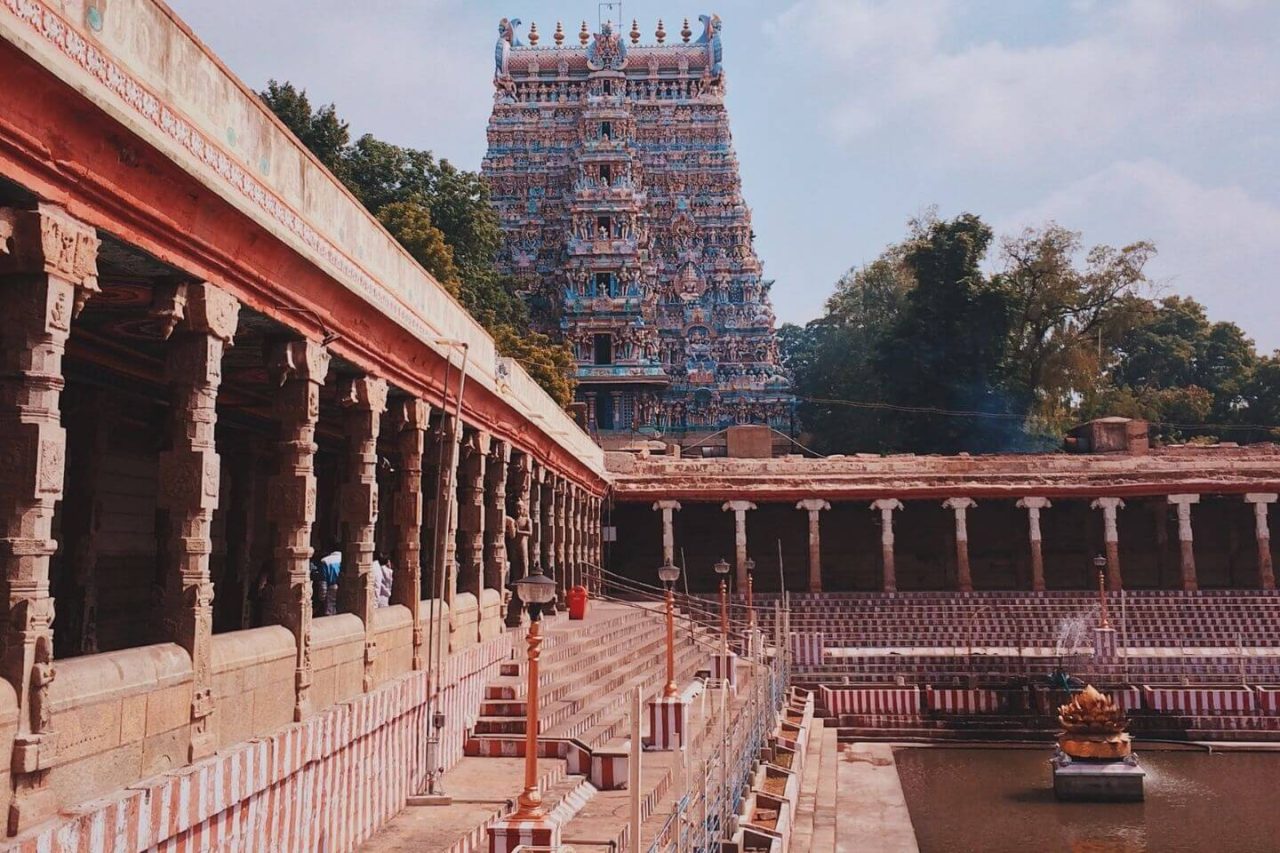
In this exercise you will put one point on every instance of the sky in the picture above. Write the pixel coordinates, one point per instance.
(1125, 120)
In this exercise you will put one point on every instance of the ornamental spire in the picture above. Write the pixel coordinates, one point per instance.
(660, 34)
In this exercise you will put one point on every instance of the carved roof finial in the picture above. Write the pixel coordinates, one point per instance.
(685, 32)
(533, 34)
(559, 34)
(635, 32)
(661, 33)
(584, 35)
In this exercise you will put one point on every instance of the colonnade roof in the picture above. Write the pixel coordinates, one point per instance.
(145, 69)
(1209, 470)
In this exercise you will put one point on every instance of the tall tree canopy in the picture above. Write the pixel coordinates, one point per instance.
(921, 350)
(442, 217)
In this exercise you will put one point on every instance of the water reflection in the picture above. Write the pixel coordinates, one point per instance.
(996, 800)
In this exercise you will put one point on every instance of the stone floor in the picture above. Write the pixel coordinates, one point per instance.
(850, 802)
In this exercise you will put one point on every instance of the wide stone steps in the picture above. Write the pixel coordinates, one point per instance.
(579, 688)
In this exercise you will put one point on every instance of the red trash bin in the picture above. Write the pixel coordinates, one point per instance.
(577, 600)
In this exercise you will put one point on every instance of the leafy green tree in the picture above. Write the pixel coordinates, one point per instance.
(1174, 345)
(1062, 312)
(946, 349)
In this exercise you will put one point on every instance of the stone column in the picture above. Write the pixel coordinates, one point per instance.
(1111, 538)
(570, 535)
(299, 369)
(364, 400)
(961, 507)
(535, 515)
(814, 506)
(1186, 544)
(471, 467)
(668, 530)
(740, 509)
(411, 419)
(446, 440)
(48, 268)
(1262, 532)
(1033, 507)
(547, 530)
(189, 488)
(495, 516)
(886, 507)
(560, 495)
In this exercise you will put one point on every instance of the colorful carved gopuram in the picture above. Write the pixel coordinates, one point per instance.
(612, 166)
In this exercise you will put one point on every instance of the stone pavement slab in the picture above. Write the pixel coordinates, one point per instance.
(872, 811)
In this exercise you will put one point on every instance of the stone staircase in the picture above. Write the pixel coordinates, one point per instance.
(587, 672)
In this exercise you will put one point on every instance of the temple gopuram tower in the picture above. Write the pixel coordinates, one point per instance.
(612, 168)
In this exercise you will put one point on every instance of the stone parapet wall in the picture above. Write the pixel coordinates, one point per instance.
(120, 717)
(252, 683)
(393, 626)
(337, 659)
(296, 788)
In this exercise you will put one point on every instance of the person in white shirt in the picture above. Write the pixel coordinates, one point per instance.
(382, 574)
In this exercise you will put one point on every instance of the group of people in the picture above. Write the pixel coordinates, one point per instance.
(326, 572)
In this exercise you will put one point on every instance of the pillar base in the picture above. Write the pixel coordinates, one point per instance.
(1104, 643)
(724, 670)
(31, 807)
(508, 833)
(667, 717)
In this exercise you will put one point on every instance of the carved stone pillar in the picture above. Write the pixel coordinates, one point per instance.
(1262, 532)
(814, 506)
(961, 507)
(1186, 543)
(1033, 507)
(299, 369)
(189, 486)
(519, 528)
(411, 419)
(535, 515)
(446, 444)
(560, 499)
(495, 521)
(1111, 538)
(364, 400)
(475, 450)
(48, 268)
(740, 509)
(547, 531)
(668, 530)
(886, 507)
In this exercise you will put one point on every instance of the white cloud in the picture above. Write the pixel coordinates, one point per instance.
(1218, 244)
(1138, 69)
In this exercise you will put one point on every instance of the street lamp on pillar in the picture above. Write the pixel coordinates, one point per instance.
(669, 574)
(722, 569)
(536, 591)
(750, 566)
(1100, 564)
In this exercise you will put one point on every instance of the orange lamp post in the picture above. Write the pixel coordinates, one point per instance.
(668, 574)
(536, 590)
